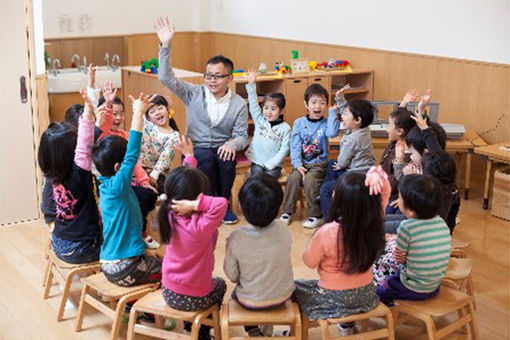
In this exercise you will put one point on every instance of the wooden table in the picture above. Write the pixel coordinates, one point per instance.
(496, 153)
(466, 145)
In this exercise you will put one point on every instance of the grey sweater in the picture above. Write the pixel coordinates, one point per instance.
(258, 260)
(231, 130)
(356, 151)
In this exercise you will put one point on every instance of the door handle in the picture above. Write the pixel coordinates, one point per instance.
(297, 81)
(23, 89)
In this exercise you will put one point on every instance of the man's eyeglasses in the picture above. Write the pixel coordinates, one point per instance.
(210, 76)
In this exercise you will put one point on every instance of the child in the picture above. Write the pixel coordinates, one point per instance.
(264, 281)
(125, 259)
(441, 165)
(65, 160)
(400, 122)
(189, 222)
(344, 250)
(270, 144)
(309, 155)
(160, 135)
(141, 184)
(356, 151)
(423, 242)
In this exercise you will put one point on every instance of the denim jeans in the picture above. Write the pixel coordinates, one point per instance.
(76, 252)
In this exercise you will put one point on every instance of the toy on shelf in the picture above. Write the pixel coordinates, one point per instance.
(238, 73)
(335, 65)
(281, 68)
(149, 66)
(313, 65)
(263, 68)
(298, 65)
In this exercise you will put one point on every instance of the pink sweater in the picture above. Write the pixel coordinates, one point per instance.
(322, 252)
(141, 178)
(189, 257)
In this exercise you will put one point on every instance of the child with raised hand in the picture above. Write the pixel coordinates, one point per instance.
(270, 144)
(442, 166)
(126, 261)
(356, 151)
(423, 243)
(189, 222)
(160, 135)
(309, 155)
(264, 281)
(65, 160)
(146, 194)
(344, 250)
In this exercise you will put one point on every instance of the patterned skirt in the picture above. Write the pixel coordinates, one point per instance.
(320, 303)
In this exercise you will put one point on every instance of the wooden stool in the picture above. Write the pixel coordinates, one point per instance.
(381, 311)
(155, 304)
(459, 248)
(233, 314)
(64, 273)
(446, 302)
(458, 275)
(117, 295)
(47, 251)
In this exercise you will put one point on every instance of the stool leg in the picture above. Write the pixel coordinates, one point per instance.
(158, 321)
(306, 323)
(81, 307)
(49, 280)
(462, 313)
(297, 323)
(131, 324)
(216, 322)
(195, 327)
(65, 294)
(224, 322)
(474, 326)
(117, 320)
(391, 327)
(431, 328)
(324, 329)
(46, 271)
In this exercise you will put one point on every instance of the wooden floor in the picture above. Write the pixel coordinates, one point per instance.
(25, 315)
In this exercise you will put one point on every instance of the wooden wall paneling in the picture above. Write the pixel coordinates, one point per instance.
(110, 45)
(54, 49)
(43, 105)
(60, 102)
(294, 90)
(82, 47)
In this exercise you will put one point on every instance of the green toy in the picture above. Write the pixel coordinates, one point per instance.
(150, 66)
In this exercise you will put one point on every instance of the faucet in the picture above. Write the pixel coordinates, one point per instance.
(85, 69)
(115, 65)
(77, 57)
(55, 63)
(107, 59)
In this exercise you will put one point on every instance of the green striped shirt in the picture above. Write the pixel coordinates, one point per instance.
(427, 244)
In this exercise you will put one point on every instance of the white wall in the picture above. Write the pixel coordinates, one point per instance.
(63, 18)
(469, 29)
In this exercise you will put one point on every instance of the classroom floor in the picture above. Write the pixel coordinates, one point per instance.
(25, 315)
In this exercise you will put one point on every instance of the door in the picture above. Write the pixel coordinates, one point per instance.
(18, 190)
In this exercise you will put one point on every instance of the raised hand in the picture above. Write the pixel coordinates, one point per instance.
(252, 75)
(88, 107)
(109, 93)
(185, 146)
(424, 101)
(100, 115)
(410, 96)
(420, 121)
(340, 92)
(375, 180)
(400, 151)
(140, 106)
(165, 30)
(92, 76)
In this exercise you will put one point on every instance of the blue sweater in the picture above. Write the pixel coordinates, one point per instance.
(309, 143)
(122, 218)
(270, 144)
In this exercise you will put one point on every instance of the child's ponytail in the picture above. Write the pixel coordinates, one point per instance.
(165, 231)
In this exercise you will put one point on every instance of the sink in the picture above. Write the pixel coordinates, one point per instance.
(71, 80)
